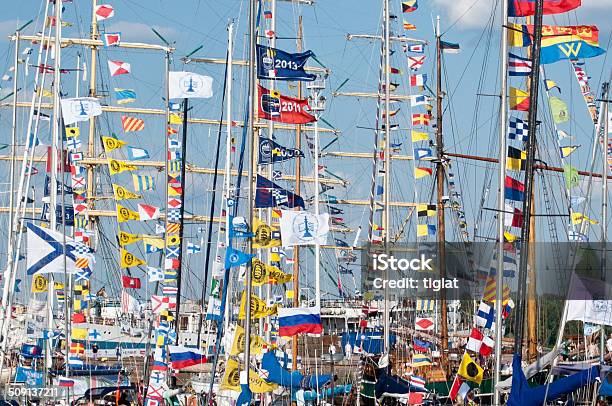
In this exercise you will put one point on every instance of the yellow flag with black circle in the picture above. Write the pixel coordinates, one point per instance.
(122, 193)
(231, 379)
(39, 284)
(265, 235)
(257, 343)
(124, 214)
(115, 166)
(129, 260)
(470, 370)
(72, 132)
(263, 273)
(173, 239)
(127, 238)
(111, 143)
(259, 308)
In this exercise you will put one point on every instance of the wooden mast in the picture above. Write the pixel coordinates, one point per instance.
(440, 193)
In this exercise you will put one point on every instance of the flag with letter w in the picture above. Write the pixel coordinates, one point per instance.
(187, 84)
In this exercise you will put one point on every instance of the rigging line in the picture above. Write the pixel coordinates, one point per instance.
(461, 16)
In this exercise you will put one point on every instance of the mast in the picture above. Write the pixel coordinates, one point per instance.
(529, 172)
(250, 139)
(503, 125)
(387, 167)
(604, 203)
(91, 141)
(298, 173)
(440, 193)
(56, 144)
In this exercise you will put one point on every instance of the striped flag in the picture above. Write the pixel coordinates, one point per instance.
(518, 66)
(132, 123)
(143, 182)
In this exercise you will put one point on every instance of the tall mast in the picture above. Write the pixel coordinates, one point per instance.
(529, 171)
(91, 142)
(604, 201)
(440, 192)
(298, 173)
(501, 204)
(387, 166)
(250, 139)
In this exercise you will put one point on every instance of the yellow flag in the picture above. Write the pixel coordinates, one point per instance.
(263, 273)
(128, 259)
(45, 92)
(231, 379)
(578, 218)
(259, 308)
(58, 285)
(127, 238)
(111, 144)
(470, 370)
(156, 242)
(265, 236)
(256, 344)
(115, 166)
(510, 237)
(72, 132)
(173, 239)
(122, 193)
(124, 214)
(419, 136)
(39, 284)
(175, 119)
(422, 230)
(79, 333)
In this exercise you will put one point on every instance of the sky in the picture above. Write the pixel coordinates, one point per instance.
(471, 80)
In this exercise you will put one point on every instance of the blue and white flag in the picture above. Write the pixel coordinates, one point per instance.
(192, 248)
(422, 153)
(135, 154)
(234, 257)
(272, 152)
(184, 85)
(269, 194)
(569, 50)
(303, 228)
(80, 109)
(273, 63)
(518, 129)
(46, 251)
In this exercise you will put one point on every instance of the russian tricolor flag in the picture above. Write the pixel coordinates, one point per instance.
(66, 382)
(183, 357)
(292, 321)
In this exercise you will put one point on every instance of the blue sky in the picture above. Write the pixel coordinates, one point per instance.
(470, 120)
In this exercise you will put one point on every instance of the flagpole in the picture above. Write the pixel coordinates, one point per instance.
(503, 125)
(387, 165)
(604, 205)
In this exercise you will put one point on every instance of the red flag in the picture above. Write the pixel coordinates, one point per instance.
(276, 107)
(522, 8)
(59, 161)
(130, 283)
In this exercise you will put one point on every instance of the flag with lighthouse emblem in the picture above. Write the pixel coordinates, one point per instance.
(187, 85)
(303, 228)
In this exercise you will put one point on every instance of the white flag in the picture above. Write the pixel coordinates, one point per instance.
(581, 304)
(303, 228)
(80, 109)
(46, 251)
(186, 84)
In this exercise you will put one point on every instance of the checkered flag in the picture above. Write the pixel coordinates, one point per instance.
(174, 215)
(280, 197)
(518, 129)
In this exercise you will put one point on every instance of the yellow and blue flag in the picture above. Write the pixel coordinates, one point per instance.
(125, 96)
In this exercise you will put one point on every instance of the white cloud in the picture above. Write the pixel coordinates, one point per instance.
(472, 13)
(138, 32)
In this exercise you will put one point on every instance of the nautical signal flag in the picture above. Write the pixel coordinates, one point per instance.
(517, 159)
(409, 6)
(125, 96)
(420, 172)
(132, 124)
(459, 388)
(426, 210)
(419, 136)
(408, 26)
(143, 182)
(518, 129)
(416, 62)
(550, 85)
(420, 360)
(129, 282)
(470, 370)
(147, 212)
(523, 8)
(73, 132)
(104, 11)
(416, 48)
(514, 189)
(395, 71)
(418, 80)
(136, 154)
(422, 154)
(421, 119)
(112, 39)
(485, 317)
(513, 217)
(480, 343)
(518, 65)
(117, 68)
(423, 230)
(519, 99)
